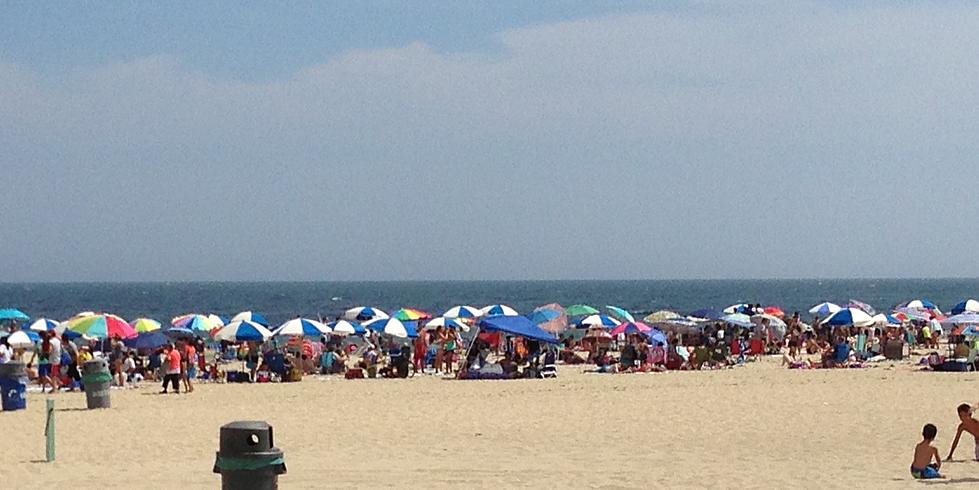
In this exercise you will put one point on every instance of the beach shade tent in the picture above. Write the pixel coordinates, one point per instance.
(620, 313)
(102, 326)
(43, 325)
(149, 340)
(22, 339)
(550, 318)
(250, 316)
(825, 309)
(738, 320)
(707, 314)
(964, 306)
(344, 327)
(630, 328)
(967, 318)
(198, 323)
(881, 319)
(301, 327)
(658, 316)
(498, 310)
(461, 311)
(580, 310)
(516, 325)
(410, 315)
(860, 305)
(737, 308)
(392, 327)
(243, 331)
(453, 323)
(13, 315)
(602, 321)
(364, 314)
(849, 317)
(145, 325)
(682, 326)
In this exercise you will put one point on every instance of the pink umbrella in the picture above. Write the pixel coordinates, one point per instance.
(631, 327)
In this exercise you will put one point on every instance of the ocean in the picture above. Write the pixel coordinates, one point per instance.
(280, 301)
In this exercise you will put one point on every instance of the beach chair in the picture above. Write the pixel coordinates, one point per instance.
(549, 369)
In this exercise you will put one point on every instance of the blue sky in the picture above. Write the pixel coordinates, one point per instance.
(494, 140)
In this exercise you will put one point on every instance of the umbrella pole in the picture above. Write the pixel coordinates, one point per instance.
(465, 359)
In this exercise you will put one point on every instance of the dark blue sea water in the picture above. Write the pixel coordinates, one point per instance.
(280, 301)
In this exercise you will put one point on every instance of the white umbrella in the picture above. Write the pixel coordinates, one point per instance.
(20, 339)
(446, 322)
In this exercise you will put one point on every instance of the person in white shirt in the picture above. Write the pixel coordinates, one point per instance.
(6, 353)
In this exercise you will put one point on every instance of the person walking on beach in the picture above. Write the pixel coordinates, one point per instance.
(172, 364)
(43, 357)
(189, 366)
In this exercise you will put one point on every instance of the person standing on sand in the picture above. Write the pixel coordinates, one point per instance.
(172, 364)
(190, 366)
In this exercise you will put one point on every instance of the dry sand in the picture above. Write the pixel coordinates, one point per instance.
(760, 426)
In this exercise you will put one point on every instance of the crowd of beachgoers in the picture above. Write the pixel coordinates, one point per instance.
(494, 342)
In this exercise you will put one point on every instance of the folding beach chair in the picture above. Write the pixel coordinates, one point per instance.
(549, 370)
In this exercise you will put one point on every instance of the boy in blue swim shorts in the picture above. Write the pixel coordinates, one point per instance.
(922, 466)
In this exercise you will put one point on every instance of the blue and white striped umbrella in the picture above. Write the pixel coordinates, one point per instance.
(392, 327)
(823, 309)
(43, 325)
(461, 312)
(243, 331)
(602, 321)
(967, 305)
(494, 310)
(250, 316)
(849, 317)
(444, 322)
(23, 339)
(364, 313)
(922, 304)
(343, 327)
(301, 327)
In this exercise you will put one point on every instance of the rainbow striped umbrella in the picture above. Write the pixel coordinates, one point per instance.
(410, 315)
(102, 326)
(145, 325)
(197, 323)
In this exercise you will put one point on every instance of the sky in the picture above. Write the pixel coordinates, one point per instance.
(487, 140)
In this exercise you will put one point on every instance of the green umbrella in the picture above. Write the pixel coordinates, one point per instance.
(580, 310)
(621, 313)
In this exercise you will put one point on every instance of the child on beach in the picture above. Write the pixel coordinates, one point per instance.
(969, 425)
(921, 467)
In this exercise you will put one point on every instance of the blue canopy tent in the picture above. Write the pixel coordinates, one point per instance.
(519, 326)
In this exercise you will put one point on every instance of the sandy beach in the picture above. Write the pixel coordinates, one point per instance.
(758, 426)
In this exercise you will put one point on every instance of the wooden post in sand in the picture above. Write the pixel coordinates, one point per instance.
(49, 432)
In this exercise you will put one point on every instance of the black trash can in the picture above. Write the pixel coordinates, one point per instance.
(97, 380)
(248, 458)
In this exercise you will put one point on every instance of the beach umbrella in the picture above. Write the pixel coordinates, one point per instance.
(363, 314)
(824, 309)
(550, 317)
(149, 340)
(737, 308)
(772, 320)
(598, 321)
(344, 327)
(144, 325)
(197, 323)
(392, 327)
(679, 326)
(921, 304)
(860, 305)
(102, 326)
(661, 315)
(453, 323)
(180, 333)
(738, 320)
(516, 325)
(410, 315)
(849, 317)
(13, 314)
(580, 310)
(912, 314)
(967, 318)
(882, 319)
(44, 325)
(301, 327)
(967, 305)
(656, 336)
(630, 328)
(598, 333)
(250, 316)
(707, 314)
(21, 339)
(498, 310)
(774, 311)
(620, 313)
(243, 331)
(461, 311)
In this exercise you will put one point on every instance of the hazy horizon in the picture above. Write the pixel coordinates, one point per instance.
(435, 141)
